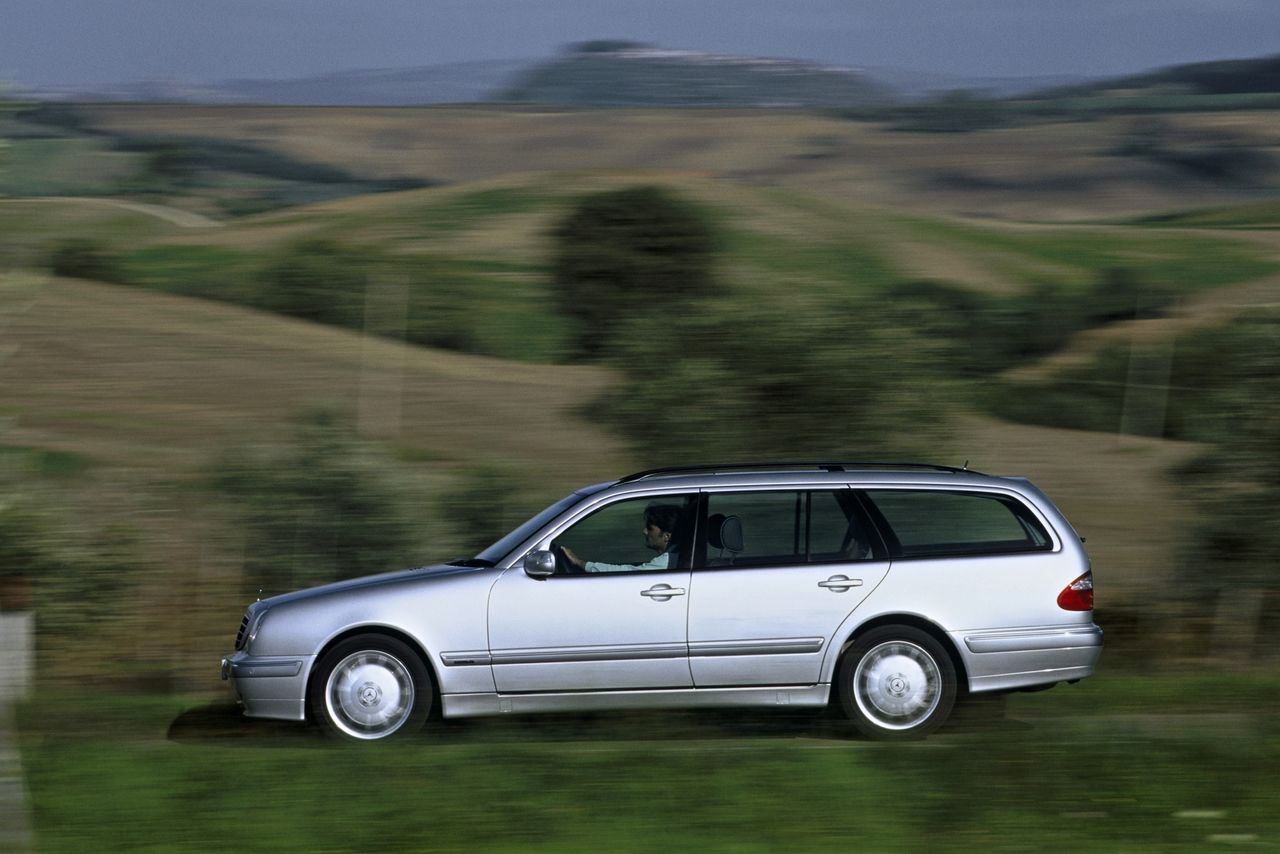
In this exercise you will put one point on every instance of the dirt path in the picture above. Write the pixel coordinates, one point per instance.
(174, 216)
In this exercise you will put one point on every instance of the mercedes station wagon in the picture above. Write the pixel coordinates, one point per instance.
(886, 590)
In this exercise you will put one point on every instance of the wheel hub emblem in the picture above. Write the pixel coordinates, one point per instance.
(369, 694)
(898, 686)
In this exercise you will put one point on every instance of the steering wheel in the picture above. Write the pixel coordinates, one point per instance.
(563, 565)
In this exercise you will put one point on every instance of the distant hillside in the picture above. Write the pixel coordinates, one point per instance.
(1226, 77)
(610, 73)
(455, 83)
(462, 82)
(912, 85)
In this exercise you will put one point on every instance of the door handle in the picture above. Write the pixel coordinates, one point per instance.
(840, 583)
(662, 592)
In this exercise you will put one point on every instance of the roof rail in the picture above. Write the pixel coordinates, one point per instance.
(793, 464)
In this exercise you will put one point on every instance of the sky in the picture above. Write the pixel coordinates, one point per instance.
(94, 42)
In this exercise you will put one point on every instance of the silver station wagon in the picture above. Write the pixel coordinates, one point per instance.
(887, 590)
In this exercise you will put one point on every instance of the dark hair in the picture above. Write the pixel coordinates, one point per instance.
(665, 516)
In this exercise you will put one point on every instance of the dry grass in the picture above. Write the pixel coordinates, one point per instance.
(147, 386)
(138, 379)
(151, 384)
(1113, 488)
(1053, 172)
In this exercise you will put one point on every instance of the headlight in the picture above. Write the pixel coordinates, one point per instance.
(249, 627)
(254, 625)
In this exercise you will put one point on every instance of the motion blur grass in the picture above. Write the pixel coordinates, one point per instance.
(1116, 763)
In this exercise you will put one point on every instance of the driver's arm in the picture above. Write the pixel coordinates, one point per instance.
(573, 558)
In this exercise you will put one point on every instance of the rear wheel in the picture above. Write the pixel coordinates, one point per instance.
(896, 682)
(370, 687)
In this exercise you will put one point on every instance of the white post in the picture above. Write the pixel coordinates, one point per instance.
(17, 655)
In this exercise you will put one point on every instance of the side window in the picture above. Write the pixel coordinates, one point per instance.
(783, 527)
(649, 534)
(936, 522)
(835, 532)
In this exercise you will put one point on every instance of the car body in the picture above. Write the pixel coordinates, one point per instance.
(888, 589)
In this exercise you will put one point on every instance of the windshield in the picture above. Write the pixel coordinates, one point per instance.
(502, 547)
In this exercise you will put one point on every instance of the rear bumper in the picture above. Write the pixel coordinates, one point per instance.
(269, 687)
(1021, 658)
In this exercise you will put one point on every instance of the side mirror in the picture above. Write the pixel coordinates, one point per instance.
(540, 565)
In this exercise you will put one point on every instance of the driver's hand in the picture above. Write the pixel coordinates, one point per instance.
(573, 558)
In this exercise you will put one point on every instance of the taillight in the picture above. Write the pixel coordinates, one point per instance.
(1078, 595)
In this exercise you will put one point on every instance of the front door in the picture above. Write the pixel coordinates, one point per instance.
(617, 621)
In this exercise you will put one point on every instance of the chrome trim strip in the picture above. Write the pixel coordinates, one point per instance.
(779, 646)
(1075, 637)
(253, 668)
(465, 658)
(469, 705)
(556, 655)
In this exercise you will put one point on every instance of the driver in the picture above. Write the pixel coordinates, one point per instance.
(660, 522)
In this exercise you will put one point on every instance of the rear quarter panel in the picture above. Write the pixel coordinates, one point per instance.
(982, 592)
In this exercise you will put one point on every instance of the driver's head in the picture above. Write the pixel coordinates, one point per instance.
(660, 522)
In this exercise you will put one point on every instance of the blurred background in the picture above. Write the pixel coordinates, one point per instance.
(266, 333)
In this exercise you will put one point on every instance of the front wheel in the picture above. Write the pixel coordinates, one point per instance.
(370, 687)
(896, 682)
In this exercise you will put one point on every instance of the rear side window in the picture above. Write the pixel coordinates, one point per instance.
(785, 527)
(935, 522)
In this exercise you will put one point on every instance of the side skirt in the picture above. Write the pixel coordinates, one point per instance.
(475, 705)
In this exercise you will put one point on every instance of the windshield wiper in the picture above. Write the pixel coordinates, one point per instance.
(472, 561)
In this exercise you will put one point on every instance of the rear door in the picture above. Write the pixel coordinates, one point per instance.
(764, 605)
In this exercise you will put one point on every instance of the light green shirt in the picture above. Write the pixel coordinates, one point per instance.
(662, 561)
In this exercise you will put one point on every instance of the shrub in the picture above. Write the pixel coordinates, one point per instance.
(78, 575)
(316, 280)
(483, 506)
(319, 508)
(82, 258)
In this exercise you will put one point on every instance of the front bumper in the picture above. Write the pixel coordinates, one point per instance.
(269, 686)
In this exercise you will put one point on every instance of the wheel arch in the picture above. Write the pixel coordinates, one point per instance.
(386, 631)
(915, 621)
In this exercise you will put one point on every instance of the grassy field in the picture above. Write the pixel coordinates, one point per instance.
(117, 400)
(1115, 764)
(144, 386)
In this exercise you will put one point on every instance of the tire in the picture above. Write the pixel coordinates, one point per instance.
(371, 687)
(896, 682)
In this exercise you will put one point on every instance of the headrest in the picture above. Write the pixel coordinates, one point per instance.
(727, 530)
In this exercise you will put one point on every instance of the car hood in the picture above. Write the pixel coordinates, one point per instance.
(424, 574)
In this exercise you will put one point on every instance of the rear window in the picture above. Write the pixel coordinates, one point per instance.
(936, 522)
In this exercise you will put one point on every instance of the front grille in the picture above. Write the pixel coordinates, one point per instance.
(244, 630)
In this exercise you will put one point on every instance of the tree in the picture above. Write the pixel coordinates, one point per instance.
(729, 382)
(639, 252)
(320, 508)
